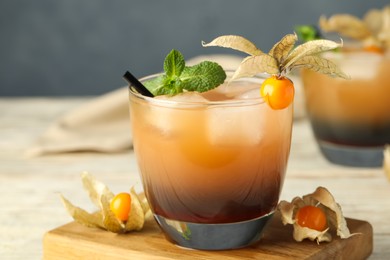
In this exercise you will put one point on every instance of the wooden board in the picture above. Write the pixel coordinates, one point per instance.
(74, 241)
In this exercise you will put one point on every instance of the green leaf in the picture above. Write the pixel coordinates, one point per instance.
(202, 77)
(170, 87)
(307, 33)
(174, 64)
(154, 85)
(164, 85)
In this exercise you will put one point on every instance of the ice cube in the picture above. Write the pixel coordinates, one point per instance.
(236, 126)
(166, 117)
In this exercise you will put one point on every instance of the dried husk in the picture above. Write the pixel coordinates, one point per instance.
(282, 48)
(384, 33)
(95, 188)
(321, 65)
(307, 49)
(136, 217)
(322, 198)
(104, 218)
(253, 65)
(235, 42)
(281, 58)
(81, 216)
(372, 30)
(302, 233)
(346, 25)
(373, 20)
(145, 206)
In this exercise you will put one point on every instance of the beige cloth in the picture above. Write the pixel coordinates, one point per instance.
(102, 124)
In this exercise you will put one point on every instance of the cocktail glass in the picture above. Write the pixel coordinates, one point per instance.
(351, 118)
(213, 164)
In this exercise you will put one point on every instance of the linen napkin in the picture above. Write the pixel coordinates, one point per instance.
(103, 123)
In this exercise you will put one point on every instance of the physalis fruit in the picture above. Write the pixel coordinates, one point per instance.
(311, 217)
(314, 215)
(278, 62)
(119, 214)
(120, 205)
(278, 92)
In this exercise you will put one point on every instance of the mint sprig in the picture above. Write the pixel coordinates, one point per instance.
(307, 33)
(178, 78)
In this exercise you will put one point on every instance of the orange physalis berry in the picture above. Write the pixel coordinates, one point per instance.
(121, 206)
(373, 48)
(311, 217)
(277, 91)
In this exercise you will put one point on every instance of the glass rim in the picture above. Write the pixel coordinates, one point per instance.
(230, 102)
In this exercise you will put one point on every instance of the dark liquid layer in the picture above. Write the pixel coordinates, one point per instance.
(353, 134)
(203, 208)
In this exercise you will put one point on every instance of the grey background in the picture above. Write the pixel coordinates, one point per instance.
(80, 47)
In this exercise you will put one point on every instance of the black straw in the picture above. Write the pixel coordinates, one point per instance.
(133, 81)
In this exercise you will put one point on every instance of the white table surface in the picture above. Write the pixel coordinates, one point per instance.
(30, 187)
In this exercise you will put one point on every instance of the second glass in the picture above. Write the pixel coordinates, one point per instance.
(351, 118)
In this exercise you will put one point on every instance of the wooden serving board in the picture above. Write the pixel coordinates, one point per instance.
(74, 241)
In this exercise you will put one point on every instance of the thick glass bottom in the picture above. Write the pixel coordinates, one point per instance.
(352, 155)
(213, 236)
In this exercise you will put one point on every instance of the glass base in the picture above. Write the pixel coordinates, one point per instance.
(213, 236)
(352, 156)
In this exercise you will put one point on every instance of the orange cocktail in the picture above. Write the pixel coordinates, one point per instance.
(351, 118)
(216, 158)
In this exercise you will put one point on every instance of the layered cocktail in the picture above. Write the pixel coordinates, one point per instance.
(351, 118)
(212, 160)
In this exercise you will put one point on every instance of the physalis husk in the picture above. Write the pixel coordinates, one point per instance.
(282, 58)
(104, 218)
(372, 30)
(323, 199)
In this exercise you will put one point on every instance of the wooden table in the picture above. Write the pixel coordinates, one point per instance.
(30, 187)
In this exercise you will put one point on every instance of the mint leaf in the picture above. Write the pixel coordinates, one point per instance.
(169, 83)
(203, 76)
(171, 86)
(164, 85)
(154, 84)
(307, 33)
(174, 64)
